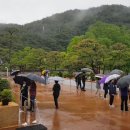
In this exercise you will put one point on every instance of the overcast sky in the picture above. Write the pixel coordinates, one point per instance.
(25, 11)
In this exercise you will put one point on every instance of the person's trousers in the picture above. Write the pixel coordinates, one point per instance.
(111, 99)
(124, 102)
(32, 103)
(79, 84)
(83, 84)
(105, 92)
(56, 101)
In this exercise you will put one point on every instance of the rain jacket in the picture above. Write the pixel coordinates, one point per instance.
(56, 89)
(112, 89)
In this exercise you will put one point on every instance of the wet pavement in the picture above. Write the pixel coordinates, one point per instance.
(78, 110)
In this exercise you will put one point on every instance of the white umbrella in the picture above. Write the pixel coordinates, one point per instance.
(111, 77)
(56, 78)
(99, 75)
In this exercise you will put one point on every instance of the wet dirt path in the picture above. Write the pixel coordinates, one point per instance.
(78, 110)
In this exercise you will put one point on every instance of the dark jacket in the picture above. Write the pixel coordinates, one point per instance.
(24, 90)
(124, 91)
(105, 86)
(56, 89)
(79, 78)
(83, 78)
(112, 89)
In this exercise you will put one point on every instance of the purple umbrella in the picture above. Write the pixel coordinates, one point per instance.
(102, 81)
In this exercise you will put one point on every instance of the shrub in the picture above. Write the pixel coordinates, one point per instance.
(6, 95)
(4, 84)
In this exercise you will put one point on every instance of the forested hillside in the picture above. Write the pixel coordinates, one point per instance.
(55, 32)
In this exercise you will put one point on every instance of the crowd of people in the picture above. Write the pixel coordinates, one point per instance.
(111, 88)
(80, 79)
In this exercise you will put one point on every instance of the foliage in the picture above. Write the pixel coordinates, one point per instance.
(102, 45)
(6, 94)
(109, 34)
(55, 32)
(4, 84)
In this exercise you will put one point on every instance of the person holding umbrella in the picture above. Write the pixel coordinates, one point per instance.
(79, 81)
(24, 93)
(98, 87)
(124, 97)
(83, 78)
(123, 84)
(112, 92)
(105, 88)
(32, 91)
(56, 92)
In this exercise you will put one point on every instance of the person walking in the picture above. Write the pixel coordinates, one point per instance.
(23, 94)
(83, 78)
(79, 82)
(124, 98)
(98, 87)
(105, 88)
(32, 96)
(56, 93)
(112, 92)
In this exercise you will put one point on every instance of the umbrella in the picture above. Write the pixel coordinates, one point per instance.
(15, 72)
(111, 77)
(124, 81)
(56, 78)
(86, 70)
(116, 71)
(35, 78)
(102, 81)
(77, 73)
(19, 79)
(99, 76)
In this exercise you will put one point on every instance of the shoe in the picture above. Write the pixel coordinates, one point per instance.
(24, 124)
(83, 89)
(28, 109)
(34, 122)
(20, 110)
(111, 106)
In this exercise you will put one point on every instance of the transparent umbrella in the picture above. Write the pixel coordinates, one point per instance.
(99, 76)
(56, 78)
(111, 77)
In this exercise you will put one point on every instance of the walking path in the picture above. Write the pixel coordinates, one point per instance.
(78, 110)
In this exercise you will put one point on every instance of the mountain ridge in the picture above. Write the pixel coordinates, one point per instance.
(56, 31)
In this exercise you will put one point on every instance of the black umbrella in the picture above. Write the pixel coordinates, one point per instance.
(124, 81)
(15, 72)
(19, 79)
(36, 78)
